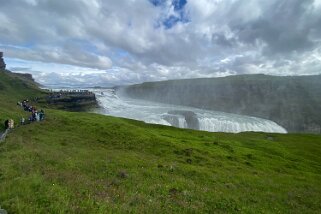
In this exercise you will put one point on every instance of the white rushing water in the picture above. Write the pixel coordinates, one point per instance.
(180, 116)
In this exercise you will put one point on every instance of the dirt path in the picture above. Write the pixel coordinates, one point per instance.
(3, 135)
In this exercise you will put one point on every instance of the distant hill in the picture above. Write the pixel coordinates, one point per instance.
(294, 102)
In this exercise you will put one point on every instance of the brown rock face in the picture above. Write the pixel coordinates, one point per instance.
(2, 64)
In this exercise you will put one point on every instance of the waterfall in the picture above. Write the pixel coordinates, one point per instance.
(181, 116)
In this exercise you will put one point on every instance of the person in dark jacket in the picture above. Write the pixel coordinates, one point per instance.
(42, 115)
(6, 124)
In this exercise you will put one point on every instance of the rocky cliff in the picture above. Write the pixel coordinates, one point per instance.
(71, 101)
(2, 64)
(292, 102)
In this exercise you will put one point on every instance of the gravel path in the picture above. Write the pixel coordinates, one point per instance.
(3, 135)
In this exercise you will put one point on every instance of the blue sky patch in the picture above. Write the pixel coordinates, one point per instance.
(172, 20)
(179, 4)
(157, 2)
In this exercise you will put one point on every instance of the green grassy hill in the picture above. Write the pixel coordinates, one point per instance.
(88, 163)
(14, 88)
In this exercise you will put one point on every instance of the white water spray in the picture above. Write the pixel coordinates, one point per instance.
(180, 116)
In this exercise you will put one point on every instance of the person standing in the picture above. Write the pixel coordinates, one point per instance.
(37, 116)
(6, 124)
(11, 124)
(22, 121)
(42, 115)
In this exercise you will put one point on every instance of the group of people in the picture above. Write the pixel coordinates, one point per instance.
(35, 114)
(64, 93)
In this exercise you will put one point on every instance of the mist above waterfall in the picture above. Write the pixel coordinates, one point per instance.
(291, 101)
(179, 116)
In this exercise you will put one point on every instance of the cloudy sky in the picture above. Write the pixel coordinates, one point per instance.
(112, 42)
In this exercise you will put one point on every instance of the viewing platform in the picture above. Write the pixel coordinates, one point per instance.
(73, 100)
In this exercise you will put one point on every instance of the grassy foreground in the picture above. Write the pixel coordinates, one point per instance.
(88, 163)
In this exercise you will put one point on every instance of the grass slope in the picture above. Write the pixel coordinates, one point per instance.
(88, 163)
(14, 88)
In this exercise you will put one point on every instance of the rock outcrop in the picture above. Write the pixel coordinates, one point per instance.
(189, 117)
(2, 64)
(72, 101)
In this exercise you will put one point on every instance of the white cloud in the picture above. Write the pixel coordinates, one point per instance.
(125, 41)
